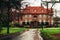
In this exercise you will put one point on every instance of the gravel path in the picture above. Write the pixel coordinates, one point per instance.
(37, 35)
(31, 34)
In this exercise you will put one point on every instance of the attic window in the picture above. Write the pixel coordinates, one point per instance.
(41, 10)
(35, 10)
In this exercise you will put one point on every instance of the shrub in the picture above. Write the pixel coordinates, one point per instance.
(16, 24)
(11, 25)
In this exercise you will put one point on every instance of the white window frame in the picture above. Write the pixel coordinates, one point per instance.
(26, 21)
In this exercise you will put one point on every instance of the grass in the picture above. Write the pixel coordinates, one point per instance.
(47, 33)
(51, 30)
(12, 30)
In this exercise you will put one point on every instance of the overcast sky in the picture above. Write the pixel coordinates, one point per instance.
(38, 3)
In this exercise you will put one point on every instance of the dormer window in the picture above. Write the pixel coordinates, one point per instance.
(35, 10)
(41, 10)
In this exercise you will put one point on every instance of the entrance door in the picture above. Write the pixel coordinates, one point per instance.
(35, 21)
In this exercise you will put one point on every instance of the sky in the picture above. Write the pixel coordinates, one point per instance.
(38, 3)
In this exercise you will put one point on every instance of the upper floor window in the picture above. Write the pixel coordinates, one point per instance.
(28, 16)
(40, 15)
(26, 21)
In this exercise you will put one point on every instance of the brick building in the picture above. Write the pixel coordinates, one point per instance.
(33, 16)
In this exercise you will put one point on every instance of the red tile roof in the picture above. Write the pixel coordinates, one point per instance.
(36, 10)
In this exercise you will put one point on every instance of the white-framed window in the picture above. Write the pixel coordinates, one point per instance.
(26, 15)
(30, 20)
(48, 16)
(30, 15)
(40, 20)
(44, 15)
(40, 15)
(44, 21)
(26, 21)
(52, 22)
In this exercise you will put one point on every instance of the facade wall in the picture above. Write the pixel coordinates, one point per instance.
(28, 15)
(27, 18)
(50, 20)
(39, 18)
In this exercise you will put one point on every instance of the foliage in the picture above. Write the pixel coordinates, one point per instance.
(15, 24)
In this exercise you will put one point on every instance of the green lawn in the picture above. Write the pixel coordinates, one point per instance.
(47, 33)
(12, 30)
(51, 30)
